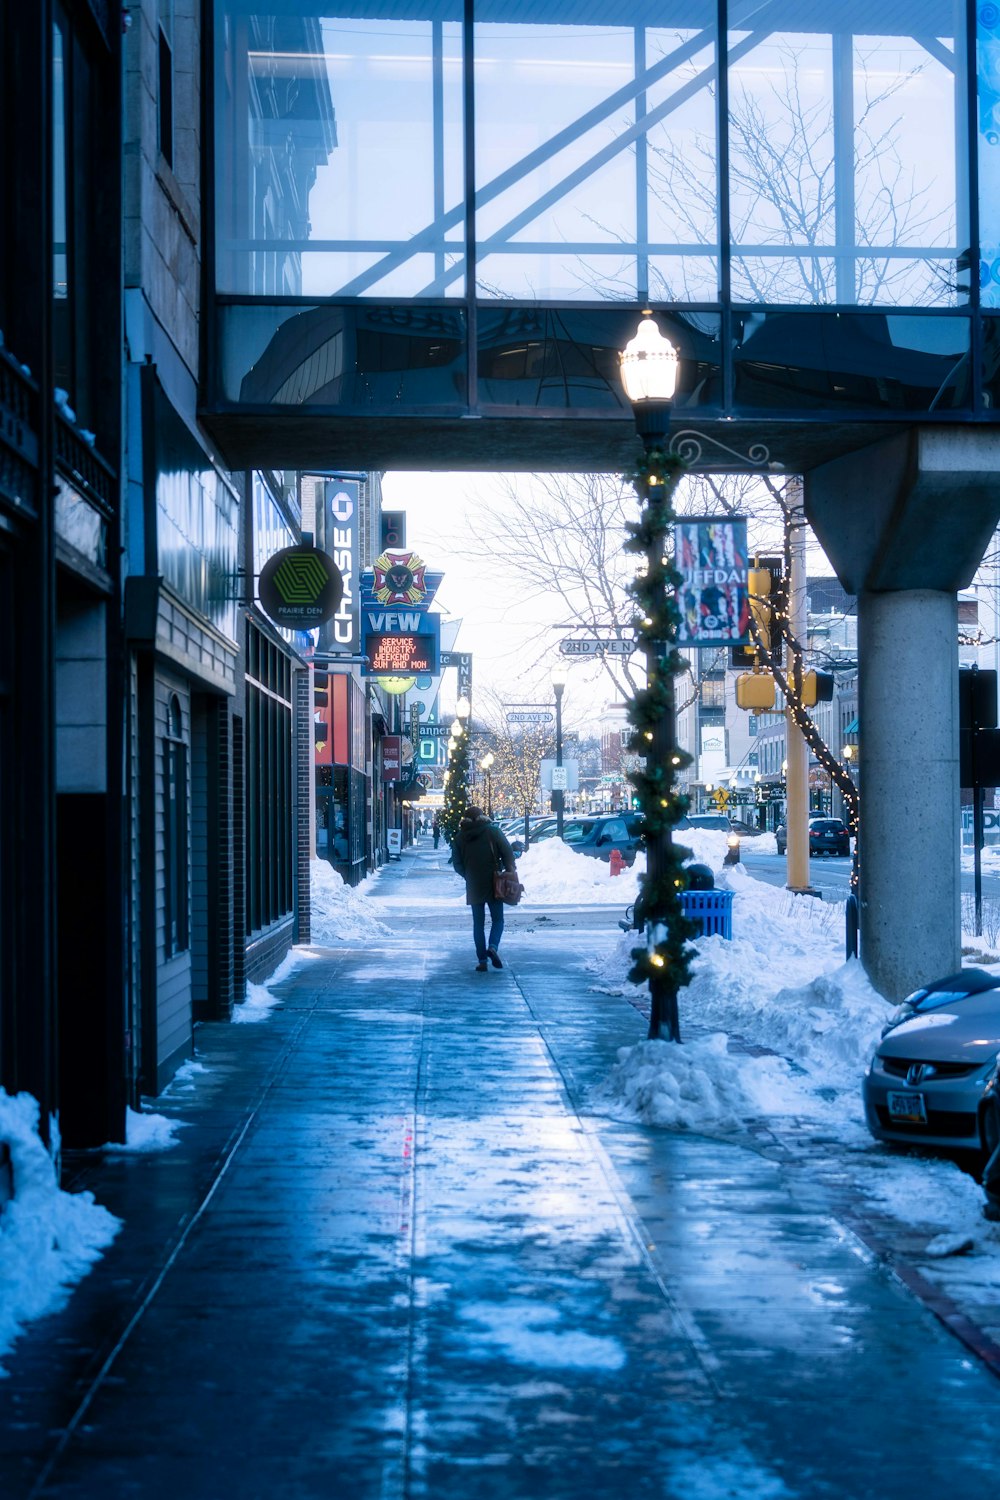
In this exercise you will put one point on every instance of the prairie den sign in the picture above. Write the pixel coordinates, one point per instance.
(300, 587)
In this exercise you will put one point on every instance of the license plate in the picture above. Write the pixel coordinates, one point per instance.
(908, 1108)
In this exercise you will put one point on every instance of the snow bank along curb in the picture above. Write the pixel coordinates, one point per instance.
(340, 913)
(49, 1239)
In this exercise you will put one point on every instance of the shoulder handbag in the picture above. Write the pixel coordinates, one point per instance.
(506, 887)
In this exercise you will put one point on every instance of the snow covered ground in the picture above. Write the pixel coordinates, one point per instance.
(48, 1239)
(782, 985)
(778, 1032)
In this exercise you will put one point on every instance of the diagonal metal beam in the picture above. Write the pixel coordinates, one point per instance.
(543, 153)
(613, 149)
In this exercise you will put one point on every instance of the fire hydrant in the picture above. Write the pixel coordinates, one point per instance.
(616, 861)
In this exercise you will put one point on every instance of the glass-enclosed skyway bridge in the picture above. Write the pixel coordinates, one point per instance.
(433, 225)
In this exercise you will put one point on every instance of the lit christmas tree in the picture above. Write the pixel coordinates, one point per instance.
(456, 792)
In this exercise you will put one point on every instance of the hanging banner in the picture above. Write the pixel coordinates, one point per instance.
(713, 597)
(392, 759)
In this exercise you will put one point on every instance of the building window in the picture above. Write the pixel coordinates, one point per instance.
(713, 692)
(74, 224)
(165, 96)
(268, 782)
(175, 832)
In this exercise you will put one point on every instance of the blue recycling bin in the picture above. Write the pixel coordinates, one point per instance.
(712, 910)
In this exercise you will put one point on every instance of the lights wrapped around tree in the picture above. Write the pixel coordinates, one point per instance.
(665, 960)
(456, 792)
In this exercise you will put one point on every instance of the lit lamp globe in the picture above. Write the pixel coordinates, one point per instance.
(457, 729)
(486, 761)
(395, 684)
(649, 364)
(463, 707)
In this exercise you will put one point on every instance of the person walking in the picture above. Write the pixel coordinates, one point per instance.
(436, 830)
(478, 851)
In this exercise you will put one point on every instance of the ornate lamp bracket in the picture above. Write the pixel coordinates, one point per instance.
(688, 445)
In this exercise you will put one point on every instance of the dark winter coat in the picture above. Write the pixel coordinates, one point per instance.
(477, 852)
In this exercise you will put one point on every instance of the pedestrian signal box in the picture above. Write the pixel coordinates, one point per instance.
(817, 687)
(755, 691)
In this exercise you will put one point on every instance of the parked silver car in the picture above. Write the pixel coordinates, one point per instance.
(938, 1051)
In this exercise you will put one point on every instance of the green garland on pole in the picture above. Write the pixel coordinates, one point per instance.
(665, 961)
(456, 795)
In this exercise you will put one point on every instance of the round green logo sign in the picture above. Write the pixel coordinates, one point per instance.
(300, 587)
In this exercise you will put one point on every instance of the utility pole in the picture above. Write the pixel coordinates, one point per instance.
(797, 751)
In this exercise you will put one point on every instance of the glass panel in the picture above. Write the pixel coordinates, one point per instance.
(852, 361)
(840, 191)
(196, 522)
(586, 135)
(354, 356)
(340, 151)
(988, 67)
(991, 363)
(548, 358)
(62, 310)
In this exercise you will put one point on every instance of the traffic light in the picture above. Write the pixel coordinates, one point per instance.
(755, 691)
(768, 599)
(817, 687)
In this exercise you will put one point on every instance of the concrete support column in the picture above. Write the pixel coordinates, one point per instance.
(908, 716)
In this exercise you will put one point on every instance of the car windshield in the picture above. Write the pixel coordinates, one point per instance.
(826, 825)
(575, 833)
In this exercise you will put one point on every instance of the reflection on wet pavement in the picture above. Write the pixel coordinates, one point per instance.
(427, 1268)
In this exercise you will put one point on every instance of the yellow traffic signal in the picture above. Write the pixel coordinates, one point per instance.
(755, 691)
(817, 687)
(759, 589)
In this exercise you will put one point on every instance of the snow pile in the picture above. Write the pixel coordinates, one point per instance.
(48, 1239)
(553, 874)
(701, 1086)
(260, 1001)
(144, 1134)
(781, 983)
(340, 913)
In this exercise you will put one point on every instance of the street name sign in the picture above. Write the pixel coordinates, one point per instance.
(537, 716)
(596, 646)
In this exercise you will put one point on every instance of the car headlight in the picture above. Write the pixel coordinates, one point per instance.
(902, 1013)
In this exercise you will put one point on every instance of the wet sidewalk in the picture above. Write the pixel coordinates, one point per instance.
(398, 1254)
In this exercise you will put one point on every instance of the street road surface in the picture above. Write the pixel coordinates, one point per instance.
(832, 876)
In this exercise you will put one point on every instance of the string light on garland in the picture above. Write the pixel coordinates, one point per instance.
(665, 960)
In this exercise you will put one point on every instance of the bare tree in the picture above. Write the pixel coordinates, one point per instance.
(787, 192)
(518, 753)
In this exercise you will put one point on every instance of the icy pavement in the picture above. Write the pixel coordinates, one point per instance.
(421, 1240)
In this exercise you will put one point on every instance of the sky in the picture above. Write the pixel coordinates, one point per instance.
(512, 638)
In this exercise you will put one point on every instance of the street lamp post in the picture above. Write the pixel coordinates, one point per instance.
(486, 765)
(558, 794)
(649, 365)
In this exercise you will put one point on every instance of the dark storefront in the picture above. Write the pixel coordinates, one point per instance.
(62, 1008)
(341, 783)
